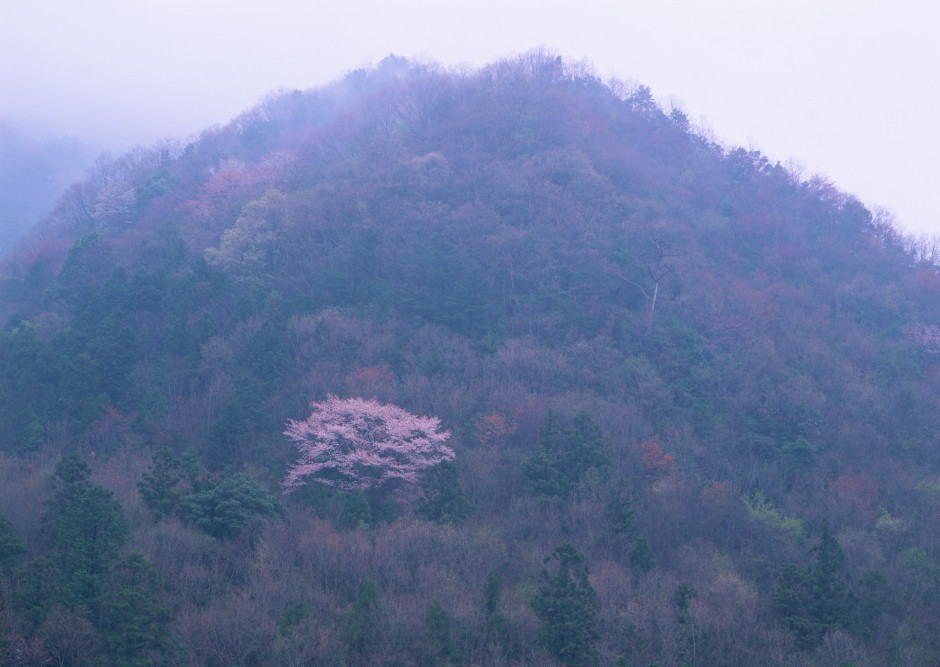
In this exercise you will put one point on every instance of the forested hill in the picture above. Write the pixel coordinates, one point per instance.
(693, 397)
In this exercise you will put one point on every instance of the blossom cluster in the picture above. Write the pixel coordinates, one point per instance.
(354, 443)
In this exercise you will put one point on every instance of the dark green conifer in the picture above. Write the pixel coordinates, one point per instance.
(11, 546)
(811, 602)
(567, 451)
(231, 506)
(160, 486)
(493, 615)
(361, 626)
(132, 620)
(443, 499)
(354, 511)
(621, 520)
(568, 607)
(40, 589)
(442, 649)
(88, 530)
(641, 555)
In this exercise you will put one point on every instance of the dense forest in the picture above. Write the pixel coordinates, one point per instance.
(500, 367)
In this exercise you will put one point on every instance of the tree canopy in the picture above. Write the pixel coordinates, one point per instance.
(355, 443)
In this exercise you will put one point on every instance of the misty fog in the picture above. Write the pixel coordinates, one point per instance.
(34, 170)
(846, 88)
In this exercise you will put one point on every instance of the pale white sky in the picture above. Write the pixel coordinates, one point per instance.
(850, 88)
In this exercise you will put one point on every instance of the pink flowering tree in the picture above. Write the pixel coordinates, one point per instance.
(354, 443)
(927, 336)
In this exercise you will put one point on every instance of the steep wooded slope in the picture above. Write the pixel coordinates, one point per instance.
(505, 249)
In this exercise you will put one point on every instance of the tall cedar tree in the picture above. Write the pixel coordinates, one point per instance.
(88, 530)
(443, 499)
(568, 607)
(11, 546)
(811, 602)
(568, 449)
(132, 619)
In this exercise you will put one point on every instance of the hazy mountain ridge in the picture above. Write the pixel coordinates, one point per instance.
(33, 173)
(758, 352)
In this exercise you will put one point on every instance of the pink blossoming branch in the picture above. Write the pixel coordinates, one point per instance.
(353, 443)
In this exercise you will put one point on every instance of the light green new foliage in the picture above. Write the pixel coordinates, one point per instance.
(761, 509)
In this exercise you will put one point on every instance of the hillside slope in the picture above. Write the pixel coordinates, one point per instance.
(706, 383)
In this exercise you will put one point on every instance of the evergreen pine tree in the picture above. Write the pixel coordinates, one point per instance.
(132, 620)
(443, 651)
(811, 602)
(354, 511)
(619, 512)
(443, 499)
(231, 506)
(494, 618)
(88, 530)
(641, 555)
(361, 627)
(40, 589)
(828, 592)
(11, 546)
(160, 485)
(567, 451)
(568, 607)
